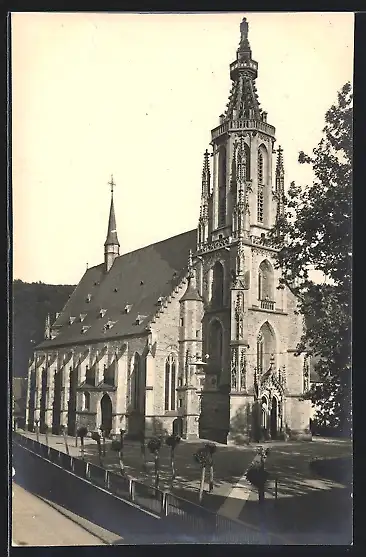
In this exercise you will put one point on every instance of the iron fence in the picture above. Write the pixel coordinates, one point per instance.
(192, 518)
(96, 475)
(147, 496)
(120, 486)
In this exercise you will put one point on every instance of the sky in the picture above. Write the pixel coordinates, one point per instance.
(136, 96)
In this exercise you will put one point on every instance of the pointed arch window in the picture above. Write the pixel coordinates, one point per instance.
(170, 383)
(247, 161)
(136, 382)
(218, 285)
(215, 346)
(265, 281)
(266, 349)
(222, 187)
(86, 401)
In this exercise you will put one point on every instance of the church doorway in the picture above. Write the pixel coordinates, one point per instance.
(274, 418)
(106, 409)
(178, 427)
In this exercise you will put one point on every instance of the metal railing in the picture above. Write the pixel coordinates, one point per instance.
(191, 518)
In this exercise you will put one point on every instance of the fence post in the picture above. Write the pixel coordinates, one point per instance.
(87, 471)
(72, 462)
(276, 489)
(164, 503)
(106, 479)
(131, 489)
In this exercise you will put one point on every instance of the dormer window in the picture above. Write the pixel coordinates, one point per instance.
(58, 314)
(160, 301)
(108, 325)
(82, 317)
(71, 320)
(128, 308)
(53, 334)
(88, 298)
(139, 319)
(102, 312)
(84, 329)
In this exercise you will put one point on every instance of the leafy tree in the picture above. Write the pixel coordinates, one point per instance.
(97, 438)
(82, 432)
(64, 433)
(31, 304)
(314, 231)
(117, 445)
(172, 441)
(154, 446)
(211, 449)
(204, 457)
(256, 474)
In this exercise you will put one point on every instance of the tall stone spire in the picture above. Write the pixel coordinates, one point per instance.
(243, 99)
(280, 182)
(111, 245)
(205, 194)
(47, 328)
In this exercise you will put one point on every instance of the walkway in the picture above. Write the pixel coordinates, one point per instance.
(36, 523)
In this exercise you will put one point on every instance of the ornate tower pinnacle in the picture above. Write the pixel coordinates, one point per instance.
(205, 194)
(47, 328)
(111, 245)
(280, 181)
(243, 100)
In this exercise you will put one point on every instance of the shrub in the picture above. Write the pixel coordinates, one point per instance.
(154, 445)
(172, 441)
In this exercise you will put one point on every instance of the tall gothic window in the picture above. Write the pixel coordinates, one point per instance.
(266, 348)
(136, 381)
(86, 401)
(262, 169)
(90, 375)
(222, 187)
(215, 350)
(218, 285)
(170, 383)
(265, 281)
(247, 161)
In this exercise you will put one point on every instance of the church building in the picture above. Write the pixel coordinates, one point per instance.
(192, 333)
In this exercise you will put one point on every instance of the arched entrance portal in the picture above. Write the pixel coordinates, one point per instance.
(178, 427)
(274, 418)
(106, 410)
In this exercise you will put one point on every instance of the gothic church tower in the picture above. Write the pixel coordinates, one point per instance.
(245, 323)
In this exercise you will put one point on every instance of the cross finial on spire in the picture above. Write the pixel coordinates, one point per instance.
(244, 28)
(112, 184)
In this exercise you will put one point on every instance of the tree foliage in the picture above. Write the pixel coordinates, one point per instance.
(314, 231)
(31, 304)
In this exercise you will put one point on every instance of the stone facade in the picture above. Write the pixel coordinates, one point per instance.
(215, 355)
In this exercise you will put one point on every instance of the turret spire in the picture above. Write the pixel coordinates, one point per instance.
(191, 293)
(47, 328)
(111, 245)
(280, 181)
(205, 193)
(243, 99)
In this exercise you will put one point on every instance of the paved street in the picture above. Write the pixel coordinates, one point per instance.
(36, 523)
(308, 508)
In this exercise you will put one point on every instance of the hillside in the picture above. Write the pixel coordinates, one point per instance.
(31, 304)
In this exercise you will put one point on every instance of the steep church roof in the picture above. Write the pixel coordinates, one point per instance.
(126, 297)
